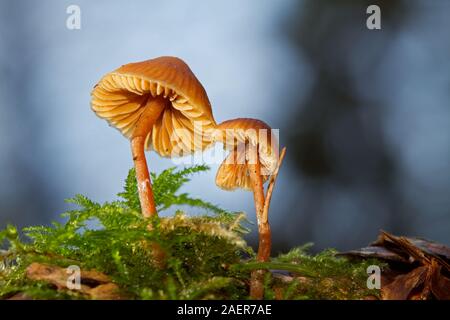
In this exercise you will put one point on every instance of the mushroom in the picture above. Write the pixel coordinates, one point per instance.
(157, 103)
(253, 157)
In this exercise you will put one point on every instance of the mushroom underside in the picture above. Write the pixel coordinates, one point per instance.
(233, 173)
(182, 128)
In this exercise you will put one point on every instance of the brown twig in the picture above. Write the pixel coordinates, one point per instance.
(273, 178)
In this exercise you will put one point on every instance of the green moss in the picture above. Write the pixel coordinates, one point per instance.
(204, 256)
(321, 276)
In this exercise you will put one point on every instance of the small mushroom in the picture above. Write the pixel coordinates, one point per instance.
(157, 103)
(253, 157)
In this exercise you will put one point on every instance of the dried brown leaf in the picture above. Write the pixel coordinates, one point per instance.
(403, 285)
(375, 252)
(440, 285)
(94, 284)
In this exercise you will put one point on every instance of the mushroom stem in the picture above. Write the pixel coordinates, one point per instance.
(262, 210)
(259, 198)
(153, 108)
(265, 241)
(254, 168)
(148, 206)
(264, 235)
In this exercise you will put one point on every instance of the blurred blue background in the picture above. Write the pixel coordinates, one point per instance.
(365, 114)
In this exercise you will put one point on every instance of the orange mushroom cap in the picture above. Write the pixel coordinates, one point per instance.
(244, 136)
(120, 97)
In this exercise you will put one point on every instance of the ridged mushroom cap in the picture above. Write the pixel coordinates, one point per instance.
(243, 137)
(120, 97)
